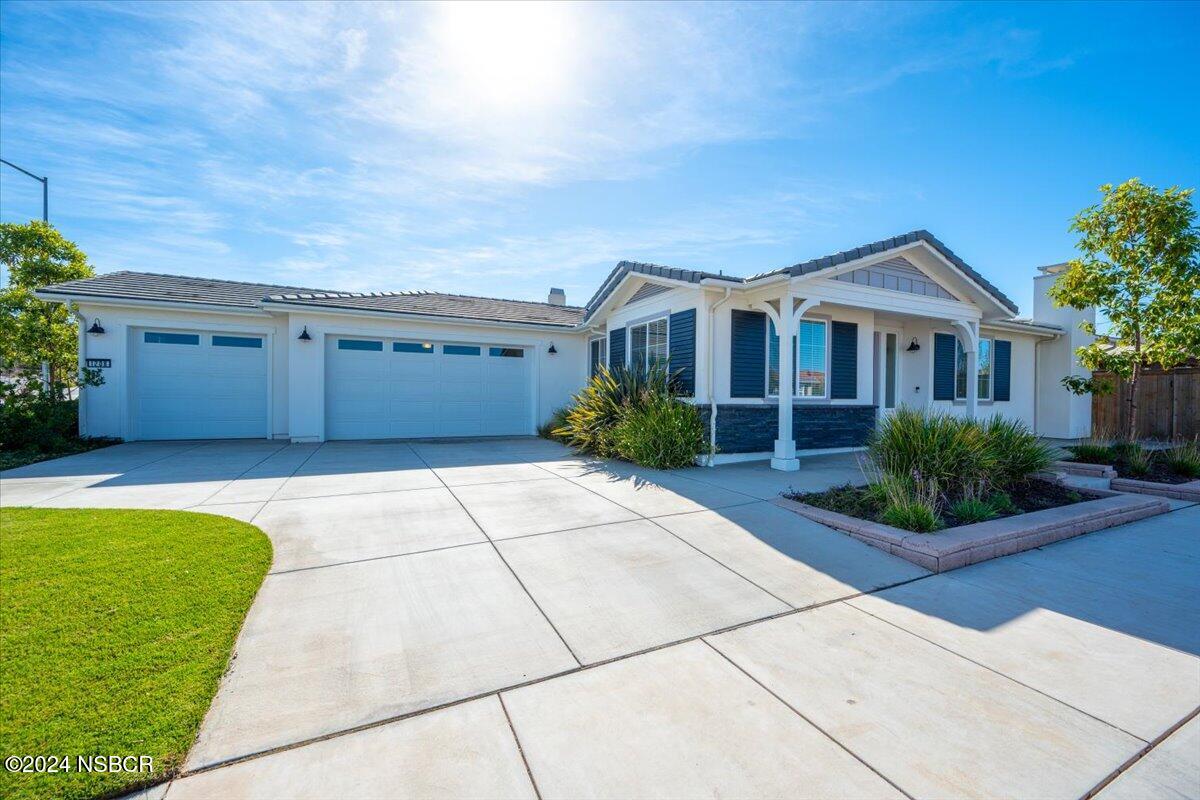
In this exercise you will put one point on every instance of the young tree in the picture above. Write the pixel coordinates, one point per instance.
(32, 330)
(1139, 265)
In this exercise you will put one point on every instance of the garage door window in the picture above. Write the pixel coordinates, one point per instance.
(506, 352)
(411, 347)
(237, 341)
(359, 344)
(460, 350)
(154, 337)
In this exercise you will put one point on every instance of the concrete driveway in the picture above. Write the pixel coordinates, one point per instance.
(501, 618)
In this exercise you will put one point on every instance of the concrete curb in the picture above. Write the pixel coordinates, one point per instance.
(1175, 491)
(970, 544)
(1087, 470)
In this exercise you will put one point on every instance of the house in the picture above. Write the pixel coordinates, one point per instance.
(800, 359)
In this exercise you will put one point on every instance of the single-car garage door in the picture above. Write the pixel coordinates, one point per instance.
(391, 388)
(199, 385)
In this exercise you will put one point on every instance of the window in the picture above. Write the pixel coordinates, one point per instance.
(237, 341)
(412, 347)
(810, 356)
(985, 370)
(506, 352)
(597, 354)
(460, 350)
(648, 343)
(154, 337)
(360, 344)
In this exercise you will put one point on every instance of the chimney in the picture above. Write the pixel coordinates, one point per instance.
(557, 297)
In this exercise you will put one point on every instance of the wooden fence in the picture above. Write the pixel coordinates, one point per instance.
(1168, 404)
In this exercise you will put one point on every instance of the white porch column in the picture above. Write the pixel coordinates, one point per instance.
(785, 444)
(969, 336)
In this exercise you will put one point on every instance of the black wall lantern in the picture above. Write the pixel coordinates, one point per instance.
(304, 337)
(553, 350)
(96, 328)
(913, 346)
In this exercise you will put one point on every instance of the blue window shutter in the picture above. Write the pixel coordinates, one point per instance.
(748, 353)
(682, 349)
(843, 361)
(943, 366)
(1002, 369)
(616, 348)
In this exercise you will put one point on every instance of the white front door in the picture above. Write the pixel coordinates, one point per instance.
(378, 388)
(887, 369)
(198, 385)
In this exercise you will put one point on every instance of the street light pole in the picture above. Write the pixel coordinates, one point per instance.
(45, 188)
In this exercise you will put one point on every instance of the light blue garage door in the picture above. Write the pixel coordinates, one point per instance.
(198, 385)
(391, 388)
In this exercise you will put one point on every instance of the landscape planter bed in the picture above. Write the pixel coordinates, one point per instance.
(1176, 491)
(1160, 482)
(952, 548)
(1085, 469)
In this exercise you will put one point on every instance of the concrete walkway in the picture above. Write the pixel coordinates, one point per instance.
(502, 619)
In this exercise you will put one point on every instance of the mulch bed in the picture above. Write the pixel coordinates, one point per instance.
(1032, 495)
(1159, 471)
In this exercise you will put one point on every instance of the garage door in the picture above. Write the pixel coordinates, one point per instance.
(391, 388)
(199, 385)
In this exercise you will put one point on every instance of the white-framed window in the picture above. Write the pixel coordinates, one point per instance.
(648, 343)
(597, 354)
(985, 370)
(811, 349)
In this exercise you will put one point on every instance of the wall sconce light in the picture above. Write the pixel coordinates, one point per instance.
(913, 346)
(553, 350)
(96, 328)
(304, 337)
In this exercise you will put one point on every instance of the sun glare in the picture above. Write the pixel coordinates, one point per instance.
(512, 55)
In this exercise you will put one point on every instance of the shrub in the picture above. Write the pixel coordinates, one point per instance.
(659, 432)
(911, 502)
(595, 412)
(971, 509)
(1015, 451)
(550, 428)
(932, 446)
(1093, 453)
(1001, 503)
(36, 421)
(1184, 458)
(1137, 459)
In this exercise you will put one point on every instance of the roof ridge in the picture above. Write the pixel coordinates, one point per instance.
(314, 294)
(502, 299)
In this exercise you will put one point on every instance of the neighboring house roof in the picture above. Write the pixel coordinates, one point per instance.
(884, 245)
(143, 286)
(673, 273)
(433, 304)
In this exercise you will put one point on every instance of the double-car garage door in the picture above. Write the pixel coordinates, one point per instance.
(397, 388)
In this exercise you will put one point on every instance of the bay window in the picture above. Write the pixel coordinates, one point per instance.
(809, 355)
(648, 343)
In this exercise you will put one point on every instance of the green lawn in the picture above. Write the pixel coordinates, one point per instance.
(115, 628)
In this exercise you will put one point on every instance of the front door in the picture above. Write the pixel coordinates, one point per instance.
(887, 370)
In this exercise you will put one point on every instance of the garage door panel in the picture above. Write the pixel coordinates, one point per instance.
(446, 389)
(185, 386)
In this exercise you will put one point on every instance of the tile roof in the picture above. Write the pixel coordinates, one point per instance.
(239, 294)
(434, 304)
(882, 246)
(674, 273)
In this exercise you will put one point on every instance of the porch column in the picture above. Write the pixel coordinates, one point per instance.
(969, 336)
(785, 444)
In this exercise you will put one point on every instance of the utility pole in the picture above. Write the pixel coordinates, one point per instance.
(45, 188)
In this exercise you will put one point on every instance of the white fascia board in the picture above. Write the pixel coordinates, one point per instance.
(436, 320)
(611, 299)
(123, 302)
(856, 295)
(1033, 329)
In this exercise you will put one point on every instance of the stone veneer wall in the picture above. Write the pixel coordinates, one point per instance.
(752, 428)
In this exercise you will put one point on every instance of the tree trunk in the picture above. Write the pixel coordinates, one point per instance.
(1131, 425)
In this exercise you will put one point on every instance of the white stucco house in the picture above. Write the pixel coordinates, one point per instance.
(800, 359)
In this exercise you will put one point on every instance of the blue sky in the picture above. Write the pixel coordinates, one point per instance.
(501, 149)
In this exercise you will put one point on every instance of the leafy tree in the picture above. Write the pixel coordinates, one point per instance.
(1139, 267)
(32, 330)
